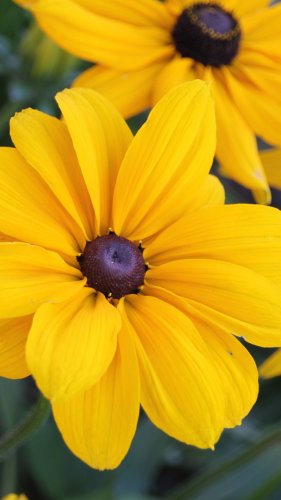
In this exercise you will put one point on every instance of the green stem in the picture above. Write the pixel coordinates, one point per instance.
(211, 476)
(31, 422)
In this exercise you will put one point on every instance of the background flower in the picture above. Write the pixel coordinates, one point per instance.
(144, 49)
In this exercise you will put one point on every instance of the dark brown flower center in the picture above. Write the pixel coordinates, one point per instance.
(113, 265)
(208, 34)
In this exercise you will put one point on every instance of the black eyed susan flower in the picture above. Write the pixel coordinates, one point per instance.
(124, 278)
(146, 47)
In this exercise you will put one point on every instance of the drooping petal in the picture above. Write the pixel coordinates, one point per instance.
(236, 148)
(71, 344)
(99, 425)
(142, 13)
(271, 367)
(236, 369)
(262, 32)
(179, 389)
(229, 297)
(30, 212)
(176, 72)
(130, 92)
(271, 161)
(241, 8)
(165, 163)
(247, 235)
(258, 71)
(100, 39)
(45, 144)
(31, 276)
(13, 335)
(100, 138)
(260, 110)
(176, 6)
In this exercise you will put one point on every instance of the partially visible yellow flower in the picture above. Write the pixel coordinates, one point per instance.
(126, 278)
(271, 160)
(145, 47)
(47, 58)
(13, 496)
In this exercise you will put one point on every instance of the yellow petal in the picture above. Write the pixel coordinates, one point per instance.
(211, 193)
(271, 161)
(4, 237)
(13, 335)
(242, 8)
(168, 160)
(142, 13)
(236, 148)
(258, 72)
(28, 209)
(31, 276)
(177, 71)
(45, 144)
(99, 425)
(71, 344)
(236, 369)
(271, 367)
(261, 111)
(248, 235)
(163, 246)
(130, 92)
(100, 39)
(227, 296)
(237, 372)
(262, 33)
(176, 6)
(179, 389)
(100, 138)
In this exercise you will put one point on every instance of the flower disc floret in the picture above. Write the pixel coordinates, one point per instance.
(208, 34)
(156, 45)
(113, 265)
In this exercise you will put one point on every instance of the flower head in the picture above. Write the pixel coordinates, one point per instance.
(145, 48)
(124, 278)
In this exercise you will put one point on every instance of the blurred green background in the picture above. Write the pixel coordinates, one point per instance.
(247, 461)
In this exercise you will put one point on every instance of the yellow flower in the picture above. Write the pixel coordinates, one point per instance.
(271, 160)
(145, 47)
(127, 276)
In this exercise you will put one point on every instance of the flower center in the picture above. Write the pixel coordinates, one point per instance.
(113, 265)
(208, 34)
